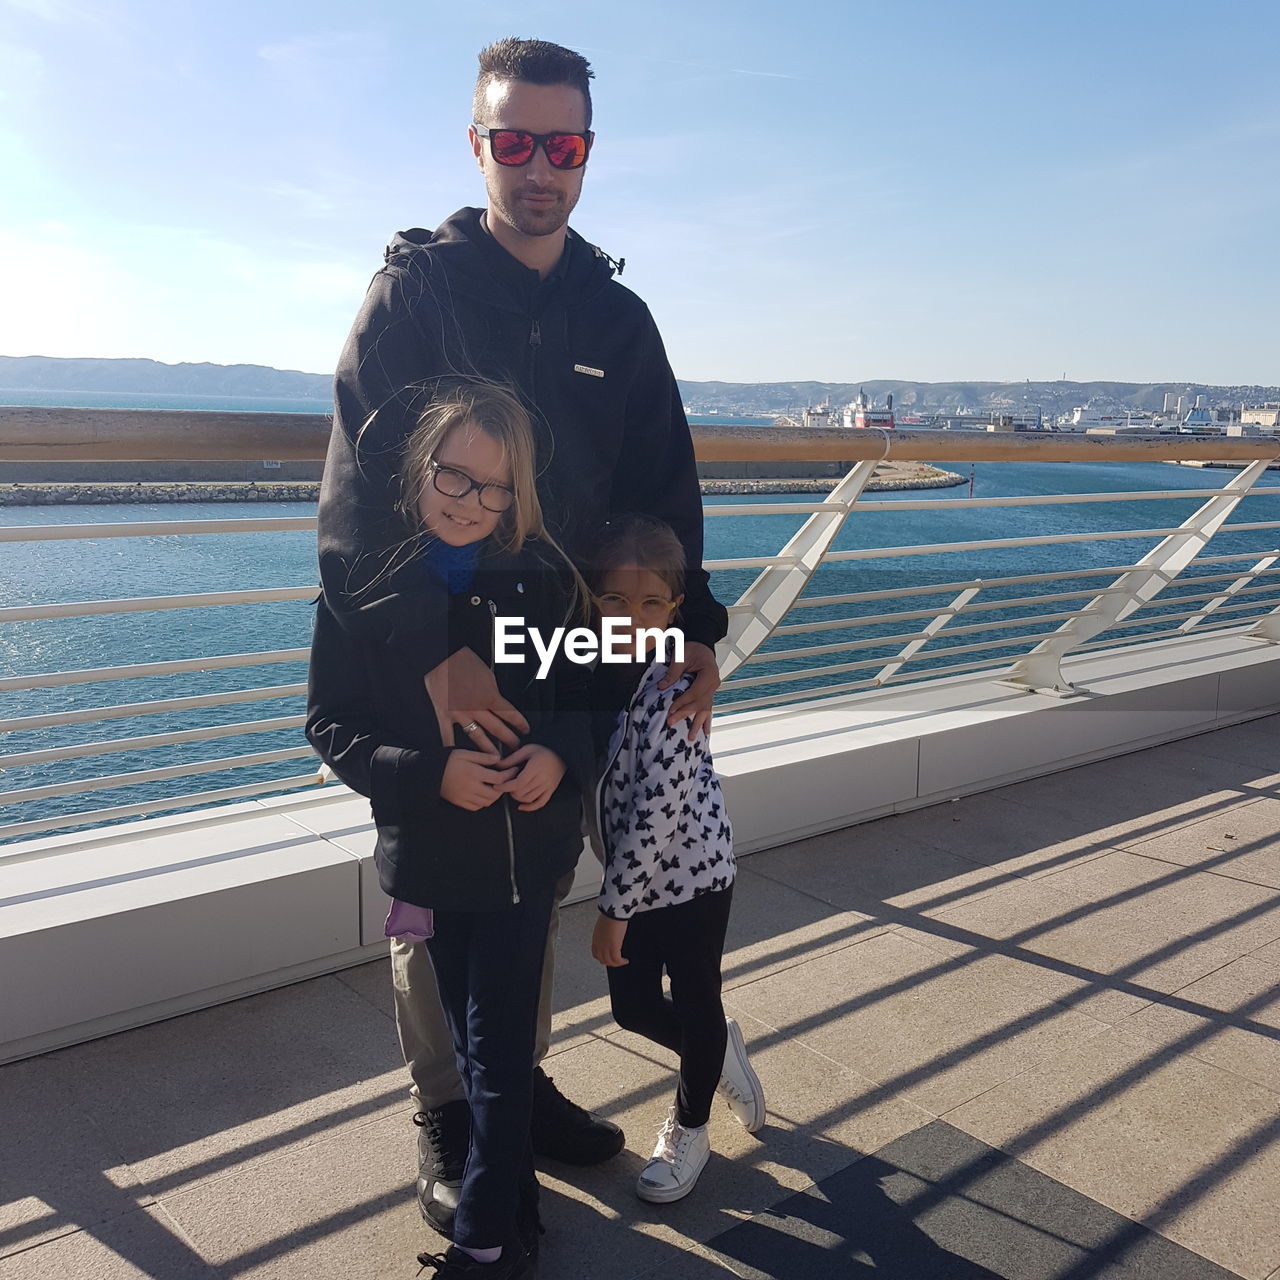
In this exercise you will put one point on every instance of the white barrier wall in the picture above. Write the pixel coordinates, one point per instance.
(107, 930)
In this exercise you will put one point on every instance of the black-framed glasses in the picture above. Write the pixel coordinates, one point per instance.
(515, 147)
(457, 484)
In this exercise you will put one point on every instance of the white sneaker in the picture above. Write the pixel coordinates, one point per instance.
(739, 1085)
(677, 1161)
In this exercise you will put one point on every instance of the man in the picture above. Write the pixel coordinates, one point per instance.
(509, 293)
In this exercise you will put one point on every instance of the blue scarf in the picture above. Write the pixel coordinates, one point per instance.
(455, 565)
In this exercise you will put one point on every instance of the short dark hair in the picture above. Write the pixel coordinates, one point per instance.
(534, 61)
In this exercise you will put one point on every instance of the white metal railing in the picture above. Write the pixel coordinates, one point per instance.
(1015, 626)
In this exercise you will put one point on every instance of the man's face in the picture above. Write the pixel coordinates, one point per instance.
(534, 199)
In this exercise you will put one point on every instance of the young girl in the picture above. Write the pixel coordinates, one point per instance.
(471, 844)
(668, 862)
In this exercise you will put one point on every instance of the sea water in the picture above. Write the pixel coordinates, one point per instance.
(110, 568)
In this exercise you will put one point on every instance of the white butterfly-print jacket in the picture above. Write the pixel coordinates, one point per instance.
(664, 836)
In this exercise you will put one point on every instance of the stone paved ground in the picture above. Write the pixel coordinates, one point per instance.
(1033, 1034)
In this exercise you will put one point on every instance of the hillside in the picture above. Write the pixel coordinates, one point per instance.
(52, 374)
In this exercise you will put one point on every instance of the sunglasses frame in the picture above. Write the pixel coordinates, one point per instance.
(539, 140)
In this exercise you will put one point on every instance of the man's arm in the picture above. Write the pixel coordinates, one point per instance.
(657, 475)
(341, 727)
(370, 577)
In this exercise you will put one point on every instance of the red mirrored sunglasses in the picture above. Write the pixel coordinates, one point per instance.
(515, 147)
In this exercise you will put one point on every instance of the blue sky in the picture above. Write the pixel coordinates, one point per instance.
(921, 189)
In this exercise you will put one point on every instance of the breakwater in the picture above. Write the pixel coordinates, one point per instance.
(85, 494)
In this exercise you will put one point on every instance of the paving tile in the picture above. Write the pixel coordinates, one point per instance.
(820, 1116)
(936, 1030)
(775, 926)
(580, 1010)
(997, 832)
(1128, 943)
(1251, 1054)
(868, 868)
(137, 1246)
(939, 1205)
(58, 1171)
(1175, 1143)
(1252, 744)
(372, 982)
(1126, 888)
(190, 1098)
(1137, 796)
(340, 1208)
(1243, 842)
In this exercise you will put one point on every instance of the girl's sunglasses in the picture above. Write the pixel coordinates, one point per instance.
(515, 147)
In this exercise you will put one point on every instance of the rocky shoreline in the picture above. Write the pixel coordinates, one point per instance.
(890, 477)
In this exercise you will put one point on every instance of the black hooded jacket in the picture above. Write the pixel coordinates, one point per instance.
(372, 722)
(586, 356)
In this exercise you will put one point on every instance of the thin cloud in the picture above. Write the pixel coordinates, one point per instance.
(326, 46)
(49, 10)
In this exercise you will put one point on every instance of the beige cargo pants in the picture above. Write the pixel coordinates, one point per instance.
(424, 1034)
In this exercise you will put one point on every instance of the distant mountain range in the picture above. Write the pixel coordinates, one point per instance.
(53, 374)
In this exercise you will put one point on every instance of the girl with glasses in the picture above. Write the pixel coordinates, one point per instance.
(667, 847)
(471, 843)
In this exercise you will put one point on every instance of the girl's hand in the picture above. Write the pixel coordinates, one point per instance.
(606, 941)
(539, 774)
(472, 779)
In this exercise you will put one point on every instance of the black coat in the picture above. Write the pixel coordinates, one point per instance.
(370, 719)
(586, 356)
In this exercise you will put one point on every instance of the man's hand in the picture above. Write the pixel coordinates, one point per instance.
(606, 941)
(463, 692)
(474, 779)
(695, 701)
(538, 775)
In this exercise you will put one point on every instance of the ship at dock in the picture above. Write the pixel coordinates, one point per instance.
(860, 413)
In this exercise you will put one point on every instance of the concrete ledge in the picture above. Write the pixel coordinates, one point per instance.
(135, 923)
(795, 773)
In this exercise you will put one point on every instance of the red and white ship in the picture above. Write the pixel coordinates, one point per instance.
(861, 414)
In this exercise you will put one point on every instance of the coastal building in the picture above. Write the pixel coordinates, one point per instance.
(1261, 415)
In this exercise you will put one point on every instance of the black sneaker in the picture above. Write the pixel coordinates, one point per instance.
(562, 1130)
(444, 1139)
(456, 1265)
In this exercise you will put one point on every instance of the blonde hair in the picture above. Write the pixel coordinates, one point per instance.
(496, 410)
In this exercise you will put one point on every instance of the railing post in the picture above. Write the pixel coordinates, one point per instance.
(909, 651)
(1227, 592)
(1268, 627)
(766, 601)
(1041, 669)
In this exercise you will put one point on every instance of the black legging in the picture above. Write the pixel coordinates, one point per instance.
(688, 941)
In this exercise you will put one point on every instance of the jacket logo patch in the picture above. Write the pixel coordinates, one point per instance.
(586, 368)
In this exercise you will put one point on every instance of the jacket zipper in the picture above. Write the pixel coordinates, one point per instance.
(535, 342)
(506, 799)
(604, 773)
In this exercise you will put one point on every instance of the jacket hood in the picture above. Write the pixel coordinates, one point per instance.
(462, 247)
